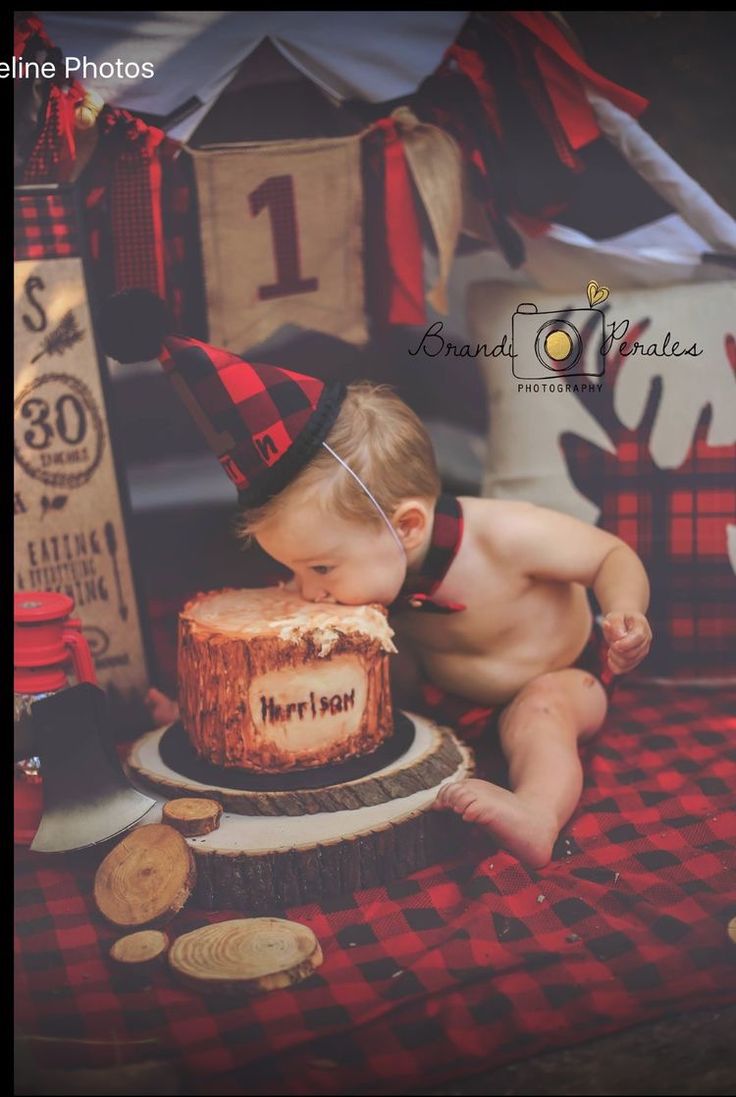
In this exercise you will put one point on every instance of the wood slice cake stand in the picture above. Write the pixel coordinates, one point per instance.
(287, 847)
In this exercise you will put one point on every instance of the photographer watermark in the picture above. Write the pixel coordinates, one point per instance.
(550, 344)
(548, 349)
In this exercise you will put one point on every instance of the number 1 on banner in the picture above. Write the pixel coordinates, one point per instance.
(277, 193)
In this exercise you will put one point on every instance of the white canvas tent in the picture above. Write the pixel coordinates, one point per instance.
(362, 54)
(377, 57)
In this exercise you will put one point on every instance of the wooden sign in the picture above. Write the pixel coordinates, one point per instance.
(69, 510)
(282, 239)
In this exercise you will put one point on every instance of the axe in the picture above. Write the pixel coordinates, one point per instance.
(87, 797)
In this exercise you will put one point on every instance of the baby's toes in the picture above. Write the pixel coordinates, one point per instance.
(473, 811)
(440, 800)
(459, 796)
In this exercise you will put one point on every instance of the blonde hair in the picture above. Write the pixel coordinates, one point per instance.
(383, 441)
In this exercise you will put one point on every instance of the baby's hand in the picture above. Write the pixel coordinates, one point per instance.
(629, 638)
(162, 709)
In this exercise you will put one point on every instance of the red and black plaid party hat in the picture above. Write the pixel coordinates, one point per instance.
(263, 422)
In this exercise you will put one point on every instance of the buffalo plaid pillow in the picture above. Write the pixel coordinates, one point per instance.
(643, 444)
(677, 521)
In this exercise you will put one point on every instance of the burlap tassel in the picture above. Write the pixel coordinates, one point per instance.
(436, 167)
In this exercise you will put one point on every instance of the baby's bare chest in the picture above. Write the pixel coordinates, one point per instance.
(502, 612)
(493, 608)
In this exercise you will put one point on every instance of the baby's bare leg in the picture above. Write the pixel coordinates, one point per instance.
(540, 731)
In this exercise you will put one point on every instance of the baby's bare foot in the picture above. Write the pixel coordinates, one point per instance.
(519, 828)
(162, 709)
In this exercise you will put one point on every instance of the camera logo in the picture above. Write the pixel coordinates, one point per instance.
(567, 343)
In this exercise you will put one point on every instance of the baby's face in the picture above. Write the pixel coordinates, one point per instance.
(334, 560)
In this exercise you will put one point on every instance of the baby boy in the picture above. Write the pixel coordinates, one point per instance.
(488, 599)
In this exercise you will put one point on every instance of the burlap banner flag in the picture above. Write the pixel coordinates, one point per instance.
(435, 163)
(282, 239)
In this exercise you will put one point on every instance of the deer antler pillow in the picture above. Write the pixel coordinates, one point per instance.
(640, 439)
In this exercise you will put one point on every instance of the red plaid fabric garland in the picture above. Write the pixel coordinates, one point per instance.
(45, 226)
(182, 253)
(511, 91)
(52, 152)
(132, 151)
(403, 241)
(53, 157)
(26, 27)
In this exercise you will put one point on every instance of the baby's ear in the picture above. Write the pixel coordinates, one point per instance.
(411, 518)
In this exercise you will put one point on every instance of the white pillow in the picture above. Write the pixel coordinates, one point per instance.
(684, 488)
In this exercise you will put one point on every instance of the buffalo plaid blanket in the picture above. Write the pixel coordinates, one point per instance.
(465, 966)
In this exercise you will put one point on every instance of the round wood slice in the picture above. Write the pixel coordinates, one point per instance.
(147, 878)
(140, 950)
(192, 815)
(433, 755)
(259, 864)
(246, 954)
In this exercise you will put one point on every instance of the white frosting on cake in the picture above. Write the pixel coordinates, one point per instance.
(274, 611)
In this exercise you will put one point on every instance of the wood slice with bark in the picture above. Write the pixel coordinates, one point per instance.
(246, 955)
(192, 815)
(139, 951)
(433, 755)
(147, 878)
(259, 862)
(256, 863)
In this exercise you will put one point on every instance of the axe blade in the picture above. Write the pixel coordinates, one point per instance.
(87, 798)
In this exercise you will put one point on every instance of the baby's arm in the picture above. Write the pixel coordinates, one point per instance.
(622, 589)
(548, 545)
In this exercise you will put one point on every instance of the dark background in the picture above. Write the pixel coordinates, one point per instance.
(684, 63)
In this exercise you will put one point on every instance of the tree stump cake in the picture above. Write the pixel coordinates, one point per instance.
(271, 683)
(286, 720)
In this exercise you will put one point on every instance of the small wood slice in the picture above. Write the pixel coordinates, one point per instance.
(140, 950)
(146, 879)
(190, 815)
(246, 955)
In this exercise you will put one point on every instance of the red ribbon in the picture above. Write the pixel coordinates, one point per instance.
(25, 28)
(54, 154)
(552, 37)
(403, 239)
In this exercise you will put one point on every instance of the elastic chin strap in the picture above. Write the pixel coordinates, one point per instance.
(373, 500)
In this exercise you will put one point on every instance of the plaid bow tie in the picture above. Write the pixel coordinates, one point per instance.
(425, 604)
(447, 532)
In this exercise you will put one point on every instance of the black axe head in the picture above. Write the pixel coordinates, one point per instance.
(87, 797)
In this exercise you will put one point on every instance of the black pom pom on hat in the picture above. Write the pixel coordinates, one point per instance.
(133, 324)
